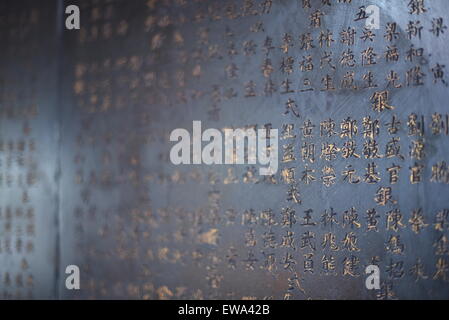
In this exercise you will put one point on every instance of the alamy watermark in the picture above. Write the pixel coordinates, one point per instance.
(72, 282)
(372, 282)
(227, 146)
(73, 20)
(373, 17)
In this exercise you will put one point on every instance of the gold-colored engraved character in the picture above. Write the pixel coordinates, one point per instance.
(392, 54)
(438, 26)
(288, 175)
(306, 64)
(350, 242)
(392, 79)
(384, 196)
(442, 267)
(286, 85)
(250, 238)
(329, 151)
(441, 246)
(306, 42)
(351, 219)
(416, 173)
(417, 271)
(437, 125)
(250, 261)
(308, 152)
(329, 218)
(329, 264)
(267, 68)
(417, 221)
(266, 6)
(288, 240)
(249, 217)
(347, 36)
(395, 245)
(269, 239)
(350, 176)
(269, 263)
(368, 57)
(414, 77)
(287, 42)
(417, 149)
(412, 53)
(394, 220)
(327, 128)
(308, 219)
(348, 81)
(307, 129)
(440, 173)
(438, 73)
(393, 148)
(328, 178)
(349, 150)
(308, 263)
(329, 241)
(391, 31)
(369, 80)
(417, 7)
(267, 218)
(306, 4)
(308, 240)
(395, 270)
(250, 89)
(288, 131)
(291, 107)
(415, 125)
(380, 101)
(288, 217)
(442, 220)
(293, 194)
(394, 125)
(326, 60)
(371, 149)
(350, 266)
(307, 86)
(315, 19)
(287, 65)
(307, 175)
(368, 34)
(268, 45)
(370, 127)
(288, 261)
(372, 176)
(414, 29)
(326, 38)
(348, 59)
(348, 128)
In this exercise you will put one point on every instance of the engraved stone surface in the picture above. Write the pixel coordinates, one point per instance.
(86, 178)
